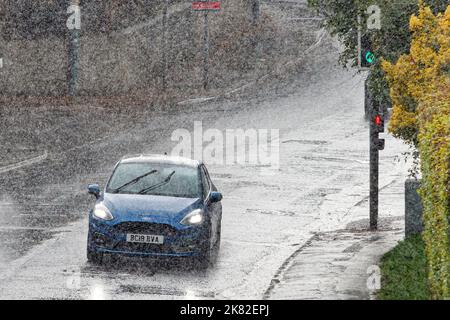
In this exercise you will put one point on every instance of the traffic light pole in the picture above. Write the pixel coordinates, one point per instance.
(374, 174)
(359, 42)
(376, 144)
(366, 59)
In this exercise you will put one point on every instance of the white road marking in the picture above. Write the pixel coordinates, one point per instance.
(12, 228)
(24, 163)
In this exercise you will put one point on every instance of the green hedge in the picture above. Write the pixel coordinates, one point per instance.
(434, 147)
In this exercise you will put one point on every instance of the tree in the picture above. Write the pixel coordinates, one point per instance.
(393, 40)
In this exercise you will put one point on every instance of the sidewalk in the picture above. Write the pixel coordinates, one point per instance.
(337, 264)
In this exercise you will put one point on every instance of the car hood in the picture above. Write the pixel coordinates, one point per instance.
(158, 209)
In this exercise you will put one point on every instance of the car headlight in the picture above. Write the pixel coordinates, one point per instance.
(193, 218)
(102, 212)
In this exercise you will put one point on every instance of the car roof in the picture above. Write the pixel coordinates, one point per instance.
(159, 158)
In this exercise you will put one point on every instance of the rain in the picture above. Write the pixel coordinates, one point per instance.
(199, 150)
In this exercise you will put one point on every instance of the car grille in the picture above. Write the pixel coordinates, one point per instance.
(143, 247)
(146, 228)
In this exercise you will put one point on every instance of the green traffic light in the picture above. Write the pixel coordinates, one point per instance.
(370, 57)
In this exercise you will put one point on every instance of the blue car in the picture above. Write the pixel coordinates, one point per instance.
(156, 206)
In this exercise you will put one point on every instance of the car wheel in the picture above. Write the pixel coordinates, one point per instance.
(94, 257)
(217, 243)
(203, 261)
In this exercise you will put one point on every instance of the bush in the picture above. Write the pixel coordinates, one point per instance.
(434, 144)
(420, 91)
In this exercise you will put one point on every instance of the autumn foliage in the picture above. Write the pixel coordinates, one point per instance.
(420, 91)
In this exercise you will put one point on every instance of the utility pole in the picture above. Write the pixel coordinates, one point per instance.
(255, 8)
(74, 26)
(255, 13)
(165, 46)
(2, 15)
(3, 18)
(205, 51)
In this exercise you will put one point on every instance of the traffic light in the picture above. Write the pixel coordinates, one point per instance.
(379, 144)
(367, 53)
(377, 124)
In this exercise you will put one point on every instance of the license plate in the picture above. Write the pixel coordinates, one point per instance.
(145, 238)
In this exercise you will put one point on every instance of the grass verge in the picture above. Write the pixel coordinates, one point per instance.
(404, 272)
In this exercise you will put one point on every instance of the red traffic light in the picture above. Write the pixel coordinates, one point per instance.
(378, 124)
(378, 120)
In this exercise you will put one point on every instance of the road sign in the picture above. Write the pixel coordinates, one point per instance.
(206, 6)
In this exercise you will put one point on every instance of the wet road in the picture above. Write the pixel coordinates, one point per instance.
(323, 173)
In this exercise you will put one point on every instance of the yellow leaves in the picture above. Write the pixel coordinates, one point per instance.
(420, 92)
(415, 76)
(403, 124)
(415, 23)
(434, 149)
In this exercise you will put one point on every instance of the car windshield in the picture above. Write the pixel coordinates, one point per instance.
(167, 180)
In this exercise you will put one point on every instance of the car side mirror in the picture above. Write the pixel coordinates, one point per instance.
(94, 189)
(215, 196)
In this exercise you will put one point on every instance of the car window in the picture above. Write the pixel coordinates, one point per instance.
(183, 182)
(205, 183)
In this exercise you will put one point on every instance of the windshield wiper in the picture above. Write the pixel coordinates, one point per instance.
(135, 180)
(160, 184)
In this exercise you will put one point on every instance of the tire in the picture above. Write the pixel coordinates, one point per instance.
(216, 247)
(203, 261)
(94, 257)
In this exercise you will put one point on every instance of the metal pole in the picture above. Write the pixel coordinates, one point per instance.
(359, 43)
(374, 171)
(205, 51)
(165, 60)
(3, 9)
(254, 8)
(255, 11)
(74, 49)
